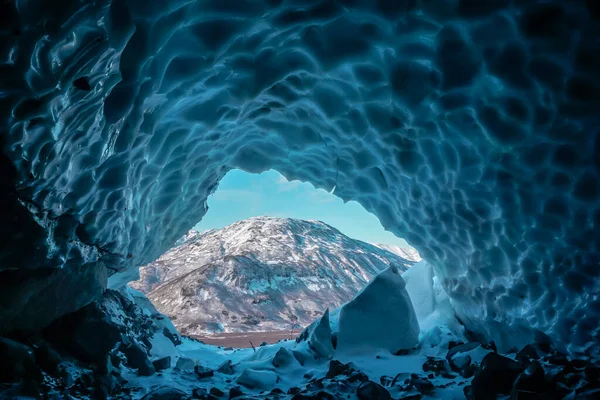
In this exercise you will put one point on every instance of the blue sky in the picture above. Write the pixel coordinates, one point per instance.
(243, 195)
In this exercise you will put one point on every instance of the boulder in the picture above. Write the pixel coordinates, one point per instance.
(89, 334)
(47, 358)
(423, 385)
(495, 376)
(216, 392)
(532, 380)
(162, 363)
(370, 390)
(235, 392)
(138, 358)
(17, 362)
(203, 372)
(337, 368)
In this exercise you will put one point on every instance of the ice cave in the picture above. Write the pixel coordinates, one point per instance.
(468, 127)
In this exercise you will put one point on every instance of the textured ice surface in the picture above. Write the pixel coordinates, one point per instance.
(381, 317)
(468, 127)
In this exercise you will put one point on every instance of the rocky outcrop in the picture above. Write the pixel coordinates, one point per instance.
(31, 300)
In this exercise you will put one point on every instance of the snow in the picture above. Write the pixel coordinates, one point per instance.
(320, 338)
(380, 317)
(290, 363)
(243, 273)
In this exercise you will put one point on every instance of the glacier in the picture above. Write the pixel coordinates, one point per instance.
(469, 128)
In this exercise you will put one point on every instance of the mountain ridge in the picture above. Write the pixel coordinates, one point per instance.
(260, 274)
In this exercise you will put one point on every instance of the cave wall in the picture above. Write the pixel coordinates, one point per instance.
(468, 127)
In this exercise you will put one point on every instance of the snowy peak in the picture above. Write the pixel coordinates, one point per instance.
(262, 273)
(407, 253)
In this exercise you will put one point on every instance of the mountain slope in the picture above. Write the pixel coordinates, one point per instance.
(260, 274)
(407, 253)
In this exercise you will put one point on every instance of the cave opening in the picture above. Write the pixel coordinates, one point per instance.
(469, 128)
(269, 257)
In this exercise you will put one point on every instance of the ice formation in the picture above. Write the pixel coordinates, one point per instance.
(468, 127)
(381, 316)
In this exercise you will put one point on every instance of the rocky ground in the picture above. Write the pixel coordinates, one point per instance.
(121, 348)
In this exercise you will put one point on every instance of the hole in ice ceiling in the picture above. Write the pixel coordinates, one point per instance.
(268, 258)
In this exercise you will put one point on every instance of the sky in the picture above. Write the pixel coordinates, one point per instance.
(243, 195)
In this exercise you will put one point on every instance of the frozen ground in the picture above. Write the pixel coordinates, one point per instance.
(300, 364)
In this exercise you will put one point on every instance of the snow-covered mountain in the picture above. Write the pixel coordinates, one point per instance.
(260, 274)
(408, 253)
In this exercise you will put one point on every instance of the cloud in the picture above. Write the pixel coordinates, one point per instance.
(287, 186)
(322, 196)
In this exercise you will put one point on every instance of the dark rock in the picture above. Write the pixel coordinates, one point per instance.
(202, 394)
(423, 385)
(401, 352)
(115, 360)
(165, 393)
(452, 344)
(235, 392)
(17, 362)
(216, 392)
(447, 375)
(316, 384)
(468, 392)
(277, 391)
(47, 358)
(386, 380)
(357, 376)
(203, 372)
(175, 339)
(437, 366)
(401, 378)
(337, 368)
(263, 344)
(529, 353)
(293, 390)
(138, 358)
(226, 368)
(532, 380)
(88, 334)
(460, 363)
(105, 385)
(162, 363)
(372, 391)
(496, 375)
(31, 300)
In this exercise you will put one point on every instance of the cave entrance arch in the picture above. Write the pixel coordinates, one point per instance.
(469, 131)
